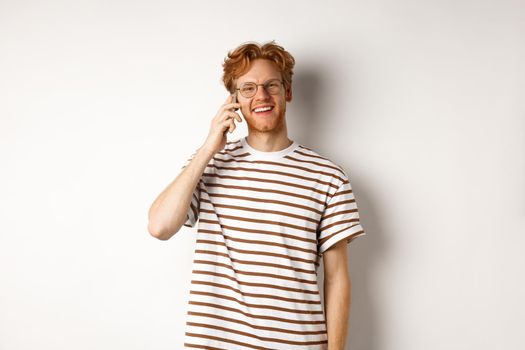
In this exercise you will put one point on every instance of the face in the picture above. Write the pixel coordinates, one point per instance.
(260, 72)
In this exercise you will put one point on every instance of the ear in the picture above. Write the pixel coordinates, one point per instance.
(288, 94)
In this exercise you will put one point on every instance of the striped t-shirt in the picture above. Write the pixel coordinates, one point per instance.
(265, 219)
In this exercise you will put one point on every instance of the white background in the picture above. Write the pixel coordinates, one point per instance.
(422, 102)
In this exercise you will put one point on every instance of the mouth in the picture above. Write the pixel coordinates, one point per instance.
(263, 110)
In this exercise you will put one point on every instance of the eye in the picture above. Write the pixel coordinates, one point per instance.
(248, 88)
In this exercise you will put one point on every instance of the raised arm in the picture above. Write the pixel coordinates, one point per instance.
(168, 212)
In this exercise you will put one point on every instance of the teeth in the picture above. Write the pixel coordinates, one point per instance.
(263, 109)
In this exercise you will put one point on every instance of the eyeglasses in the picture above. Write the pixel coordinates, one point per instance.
(273, 87)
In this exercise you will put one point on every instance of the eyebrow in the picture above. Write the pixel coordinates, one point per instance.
(267, 80)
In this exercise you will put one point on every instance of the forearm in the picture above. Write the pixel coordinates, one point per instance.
(337, 296)
(168, 212)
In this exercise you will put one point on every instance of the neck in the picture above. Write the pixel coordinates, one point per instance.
(268, 142)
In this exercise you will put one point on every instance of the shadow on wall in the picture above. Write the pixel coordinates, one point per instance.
(310, 120)
(304, 112)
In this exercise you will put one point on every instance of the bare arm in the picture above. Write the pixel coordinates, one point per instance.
(168, 212)
(337, 294)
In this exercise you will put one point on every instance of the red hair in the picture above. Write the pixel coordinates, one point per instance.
(239, 60)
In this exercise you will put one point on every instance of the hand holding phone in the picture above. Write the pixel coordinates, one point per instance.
(221, 124)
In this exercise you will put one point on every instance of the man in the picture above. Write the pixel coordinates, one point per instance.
(268, 210)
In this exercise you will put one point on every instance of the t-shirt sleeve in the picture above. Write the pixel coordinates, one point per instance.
(193, 210)
(340, 218)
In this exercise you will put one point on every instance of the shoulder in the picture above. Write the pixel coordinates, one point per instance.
(233, 146)
(231, 150)
(320, 162)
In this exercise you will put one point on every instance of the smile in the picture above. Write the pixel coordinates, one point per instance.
(263, 109)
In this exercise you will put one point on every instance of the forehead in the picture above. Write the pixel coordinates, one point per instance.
(260, 71)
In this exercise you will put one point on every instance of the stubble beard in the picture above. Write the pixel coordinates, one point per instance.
(260, 126)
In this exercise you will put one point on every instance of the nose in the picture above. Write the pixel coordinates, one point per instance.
(261, 93)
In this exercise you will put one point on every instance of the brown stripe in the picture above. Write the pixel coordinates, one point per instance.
(299, 150)
(262, 200)
(310, 155)
(342, 193)
(226, 340)
(226, 151)
(304, 147)
(264, 232)
(337, 223)
(263, 317)
(256, 295)
(188, 345)
(339, 213)
(266, 211)
(347, 191)
(193, 207)
(261, 274)
(307, 152)
(252, 241)
(311, 162)
(323, 240)
(256, 252)
(285, 165)
(347, 201)
(272, 329)
(279, 182)
(246, 334)
(258, 306)
(233, 142)
(266, 190)
(252, 284)
(257, 263)
(268, 222)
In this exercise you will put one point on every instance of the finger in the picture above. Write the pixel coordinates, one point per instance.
(226, 126)
(231, 106)
(236, 116)
(229, 114)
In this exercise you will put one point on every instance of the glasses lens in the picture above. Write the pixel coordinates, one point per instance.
(273, 86)
(248, 89)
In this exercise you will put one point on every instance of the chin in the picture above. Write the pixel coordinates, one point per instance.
(257, 123)
(271, 126)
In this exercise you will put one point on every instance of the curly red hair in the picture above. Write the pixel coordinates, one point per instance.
(239, 60)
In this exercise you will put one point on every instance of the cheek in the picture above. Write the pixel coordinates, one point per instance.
(245, 109)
